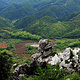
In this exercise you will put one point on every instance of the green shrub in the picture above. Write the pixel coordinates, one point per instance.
(31, 50)
(74, 76)
(5, 64)
(49, 73)
(24, 78)
(78, 54)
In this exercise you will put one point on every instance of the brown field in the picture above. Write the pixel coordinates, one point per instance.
(20, 50)
(2, 45)
(20, 47)
(21, 44)
(22, 55)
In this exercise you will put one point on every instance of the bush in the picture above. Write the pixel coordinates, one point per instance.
(31, 50)
(5, 64)
(78, 54)
(49, 73)
(74, 76)
(24, 78)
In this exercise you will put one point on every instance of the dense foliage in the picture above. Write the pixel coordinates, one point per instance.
(52, 8)
(49, 73)
(24, 35)
(5, 22)
(16, 11)
(31, 50)
(50, 28)
(43, 19)
(5, 64)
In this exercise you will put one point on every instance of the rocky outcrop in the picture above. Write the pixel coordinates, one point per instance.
(68, 59)
(21, 69)
(44, 49)
(38, 59)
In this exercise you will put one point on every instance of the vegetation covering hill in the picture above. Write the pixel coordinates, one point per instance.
(70, 17)
(57, 8)
(7, 30)
(16, 11)
(25, 21)
(38, 19)
(28, 1)
(50, 28)
(2, 4)
(13, 1)
(5, 23)
(40, 8)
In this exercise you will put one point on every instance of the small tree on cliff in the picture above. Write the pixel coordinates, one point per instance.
(5, 64)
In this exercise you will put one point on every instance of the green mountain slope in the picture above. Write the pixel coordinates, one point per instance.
(2, 4)
(73, 34)
(49, 28)
(25, 21)
(13, 1)
(28, 1)
(77, 17)
(41, 8)
(58, 8)
(7, 30)
(5, 23)
(16, 11)
(69, 17)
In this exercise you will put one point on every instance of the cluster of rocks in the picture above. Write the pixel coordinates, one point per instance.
(68, 59)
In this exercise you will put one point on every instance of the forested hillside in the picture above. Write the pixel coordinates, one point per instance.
(39, 8)
(16, 11)
(24, 22)
(2, 4)
(50, 28)
(5, 22)
(7, 30)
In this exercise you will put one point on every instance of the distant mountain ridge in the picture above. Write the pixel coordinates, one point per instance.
(5, 22)
(16, 11)
(50, 28)
(3, 4)
(49, 19)
(41, 8)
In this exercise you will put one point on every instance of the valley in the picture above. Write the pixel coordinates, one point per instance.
(24, 23)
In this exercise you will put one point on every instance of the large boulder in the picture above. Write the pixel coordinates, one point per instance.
(21, 69)
(45, 47)
(44, 50)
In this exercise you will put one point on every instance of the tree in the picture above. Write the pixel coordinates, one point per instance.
(5, 64)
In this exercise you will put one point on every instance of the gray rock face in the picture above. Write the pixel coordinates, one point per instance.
(68, 59)
(44, 50)
(21, 69)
